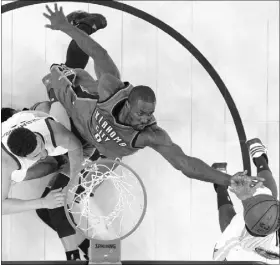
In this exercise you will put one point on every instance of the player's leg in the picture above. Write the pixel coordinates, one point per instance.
(225, 206)
(79, 105)
(75, 58)
(258, 153)
(57, 220)
(103, 63)
(68, 110)
(42, 168)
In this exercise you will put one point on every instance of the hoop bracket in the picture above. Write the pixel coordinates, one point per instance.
(103, 251)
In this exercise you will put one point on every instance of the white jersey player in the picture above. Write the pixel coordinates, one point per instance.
(29, 137)
(237, 242)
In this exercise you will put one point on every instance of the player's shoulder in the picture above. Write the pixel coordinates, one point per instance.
(108, 85)
(26, 116)
(153, 135)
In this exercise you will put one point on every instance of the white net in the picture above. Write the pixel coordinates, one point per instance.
(108, 200)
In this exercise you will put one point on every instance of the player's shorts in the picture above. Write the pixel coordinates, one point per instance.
(56, 218)
(78, 103)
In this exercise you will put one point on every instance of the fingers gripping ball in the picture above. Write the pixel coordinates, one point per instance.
(261, 214)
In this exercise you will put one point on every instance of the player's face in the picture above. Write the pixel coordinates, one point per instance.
(141, 114)
(40, 151)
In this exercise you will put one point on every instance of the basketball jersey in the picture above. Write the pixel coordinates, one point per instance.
(237, 244)
(105, 132)
(37, 122)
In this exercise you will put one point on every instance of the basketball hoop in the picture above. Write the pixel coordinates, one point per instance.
(106, 202)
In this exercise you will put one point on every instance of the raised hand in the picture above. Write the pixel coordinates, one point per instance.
(245, 186)
(57, 18)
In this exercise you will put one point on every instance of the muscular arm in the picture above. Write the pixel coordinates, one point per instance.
(69, 141)
(106, 86)
(10, 206)
(192, 167)
(86, 43)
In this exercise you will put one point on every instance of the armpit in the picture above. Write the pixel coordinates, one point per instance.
(153, 136)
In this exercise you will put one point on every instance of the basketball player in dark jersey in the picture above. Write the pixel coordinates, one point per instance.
(112, 115)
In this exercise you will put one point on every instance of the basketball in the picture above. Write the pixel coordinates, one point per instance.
(261, 214)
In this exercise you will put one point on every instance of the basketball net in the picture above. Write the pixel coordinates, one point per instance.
(108, 220)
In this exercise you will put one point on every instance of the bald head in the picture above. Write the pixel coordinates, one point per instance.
(143, 93)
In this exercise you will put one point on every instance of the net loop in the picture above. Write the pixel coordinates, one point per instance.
(93, 175)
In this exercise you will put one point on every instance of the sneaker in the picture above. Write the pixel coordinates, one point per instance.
(220, 167)
(75, 16)
(94, 21)
(73, 255)
(256, 149)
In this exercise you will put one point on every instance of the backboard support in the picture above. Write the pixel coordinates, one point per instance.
(87, 199)
(105, 252)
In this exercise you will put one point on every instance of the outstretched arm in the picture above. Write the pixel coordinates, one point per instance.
(108, 75)
(192, 167)
(59, 22)
(69, 141)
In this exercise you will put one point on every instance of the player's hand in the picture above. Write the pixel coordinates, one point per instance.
(54, 199)
(57, 18)
(245, 186)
